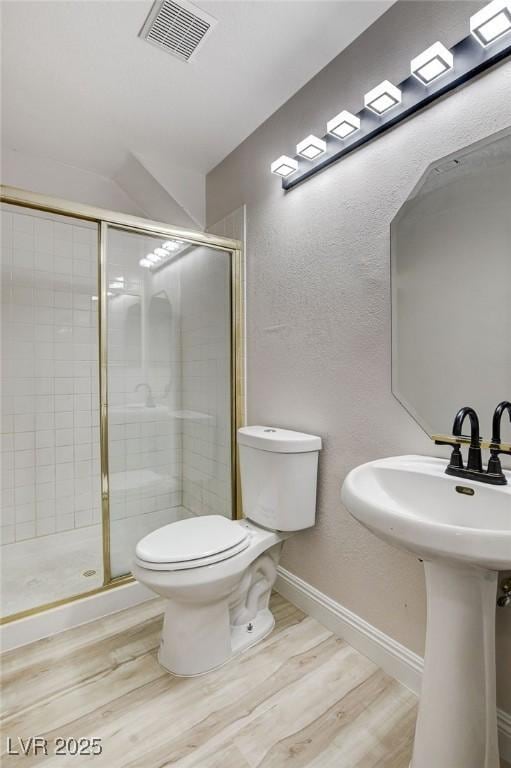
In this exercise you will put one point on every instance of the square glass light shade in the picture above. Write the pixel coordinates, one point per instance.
(382, 98)
(434, 62)
(284, 166)
(311, 147)
(343, 124)
(491, 22)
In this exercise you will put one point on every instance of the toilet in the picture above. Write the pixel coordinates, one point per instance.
(217, 574)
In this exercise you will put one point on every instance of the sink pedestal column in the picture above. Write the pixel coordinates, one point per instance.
(457, 720)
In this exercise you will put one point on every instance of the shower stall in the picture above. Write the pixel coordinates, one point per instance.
(122, 389)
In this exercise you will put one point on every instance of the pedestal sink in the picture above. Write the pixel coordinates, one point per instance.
(462, 531)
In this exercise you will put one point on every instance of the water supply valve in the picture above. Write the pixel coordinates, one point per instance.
(504, 601)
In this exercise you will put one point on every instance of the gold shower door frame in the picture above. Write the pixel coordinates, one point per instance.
(104, 219)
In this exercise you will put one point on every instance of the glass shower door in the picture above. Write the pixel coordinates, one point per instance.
(169, 385)
(51, 495)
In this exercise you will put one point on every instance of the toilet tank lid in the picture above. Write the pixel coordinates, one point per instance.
(278, 440)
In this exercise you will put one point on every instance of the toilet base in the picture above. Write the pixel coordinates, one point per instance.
(243, 637)
(202, 633)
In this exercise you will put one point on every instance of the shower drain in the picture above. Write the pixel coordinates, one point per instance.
(90, 572)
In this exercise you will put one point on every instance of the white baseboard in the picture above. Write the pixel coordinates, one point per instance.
(395, 659)
(72, 614)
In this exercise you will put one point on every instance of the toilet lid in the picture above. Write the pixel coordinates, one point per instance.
(192, 539)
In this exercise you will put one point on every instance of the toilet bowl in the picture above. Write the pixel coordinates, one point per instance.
(217, 574)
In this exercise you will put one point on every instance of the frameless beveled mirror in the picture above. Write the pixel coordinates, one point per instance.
(451, 288)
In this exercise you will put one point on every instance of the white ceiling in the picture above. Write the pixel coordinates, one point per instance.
(79, 85)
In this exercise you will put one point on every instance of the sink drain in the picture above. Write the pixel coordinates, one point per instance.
(90, 572)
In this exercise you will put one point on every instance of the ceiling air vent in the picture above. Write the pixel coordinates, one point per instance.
(178, 28)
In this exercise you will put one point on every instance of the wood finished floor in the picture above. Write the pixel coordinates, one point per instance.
(302, 698)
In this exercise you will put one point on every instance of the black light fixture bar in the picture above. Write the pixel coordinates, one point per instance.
(470, 60)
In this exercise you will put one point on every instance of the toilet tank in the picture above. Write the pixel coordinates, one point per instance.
(278, 470)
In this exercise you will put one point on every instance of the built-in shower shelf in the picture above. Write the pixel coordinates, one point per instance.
(195, 415)
(136, 479)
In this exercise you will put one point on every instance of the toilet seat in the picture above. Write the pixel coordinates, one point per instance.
(192, 543)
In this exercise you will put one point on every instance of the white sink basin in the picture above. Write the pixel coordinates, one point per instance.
(461, 529)
(411, 502)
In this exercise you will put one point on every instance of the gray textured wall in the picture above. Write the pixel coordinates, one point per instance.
(318, 298)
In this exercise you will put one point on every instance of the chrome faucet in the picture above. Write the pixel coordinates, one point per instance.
(149, 400)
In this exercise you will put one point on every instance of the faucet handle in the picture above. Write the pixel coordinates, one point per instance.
(494, 465)
(451, 439)
(499, 447)
(456, 460)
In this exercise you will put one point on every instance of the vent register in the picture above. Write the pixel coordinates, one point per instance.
(180, 28)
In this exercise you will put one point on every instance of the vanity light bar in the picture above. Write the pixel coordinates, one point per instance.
(433, 73)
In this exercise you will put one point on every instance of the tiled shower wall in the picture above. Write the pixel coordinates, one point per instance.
(50, 424)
